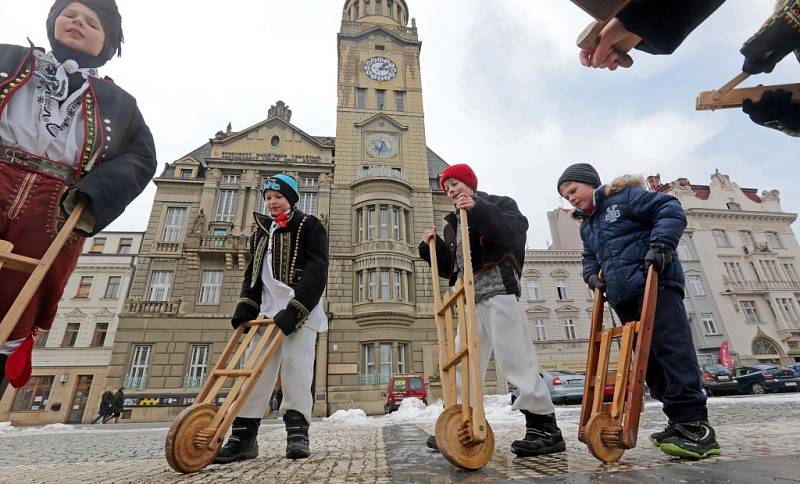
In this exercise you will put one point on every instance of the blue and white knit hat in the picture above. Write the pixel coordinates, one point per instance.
(284, 184)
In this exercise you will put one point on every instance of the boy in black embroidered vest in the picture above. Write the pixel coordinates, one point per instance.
(65, 134)
(497, 239)
(284, 280)
(625, 229)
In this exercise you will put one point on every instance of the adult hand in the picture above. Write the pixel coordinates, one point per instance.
(614, 40)
(776, 38)
(595, 282)
(464, 201)
(428, 235)
(659, 256)
(776, 110)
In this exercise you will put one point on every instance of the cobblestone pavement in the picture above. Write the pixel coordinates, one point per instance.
(760, 439)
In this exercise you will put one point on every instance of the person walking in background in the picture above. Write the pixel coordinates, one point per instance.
(117, 404)
(105, 406)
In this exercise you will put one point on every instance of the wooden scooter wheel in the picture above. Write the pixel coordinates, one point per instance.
(594, 440)
(448, 427)
(186, 447)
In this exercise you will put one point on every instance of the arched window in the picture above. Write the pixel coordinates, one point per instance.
(762, 346)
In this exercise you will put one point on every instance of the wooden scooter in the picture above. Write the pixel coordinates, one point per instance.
(37, 268)
(608, 429)
(195, 437)
(463, 435)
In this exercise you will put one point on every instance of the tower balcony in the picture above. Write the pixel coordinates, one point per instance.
(233, 247)
(381, 174)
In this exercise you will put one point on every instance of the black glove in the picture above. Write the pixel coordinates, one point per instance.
(243, 313)
(286, 319)
(776, 38)
(595, 282)
(775, 110)
(659, 256)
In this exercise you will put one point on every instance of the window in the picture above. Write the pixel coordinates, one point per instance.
(34, 395)
(750, 311)
(309, 182)
(137, 375)
(533, 290)
(569, 329)
(770, 269)
(226, 205)
(721, 238)
(41, 339)
(396, 223)
(372, 287)
(386, 359)
(186, 174)
(378, 7)
(210, 287)
(402, 349)
(360, 224)
(98, 244)
(709, 327)
(734, 271)
(84, 287)
(371, 223)
(762, 346)
(538, 330)
(733, 206)
(230, 179)
(384, 223)
(198, 366)
(308, 203)
(70, 335)
(125, 246)
(747, 238)
(360, 277)
(112, 288)
(561, 289)
(773, 240)
(696, 286)
(385, 285)
(361, 98)
(400, 101)
(381, 98)
(369, 359)
(791, 272)
(787, 308)
(398, 285)
(99, 336)
(173, 223)
(160, 283)
(683, 251)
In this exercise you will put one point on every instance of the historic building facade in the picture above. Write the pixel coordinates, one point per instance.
(71, 360)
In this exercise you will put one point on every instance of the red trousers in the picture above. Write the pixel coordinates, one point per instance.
(30, 219)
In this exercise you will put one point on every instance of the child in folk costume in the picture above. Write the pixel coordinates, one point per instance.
(284, 280)
(497, 240)
(625, 229)
(66, 135)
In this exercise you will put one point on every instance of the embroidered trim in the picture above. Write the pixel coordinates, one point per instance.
(90, 123)
(302, 312)
(296, 252)
(28, 182)
(249, 302)
(780, 127)
(23, 76)
(259, 258)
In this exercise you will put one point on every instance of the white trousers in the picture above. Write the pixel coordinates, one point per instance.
(502, 329)
(295, 358)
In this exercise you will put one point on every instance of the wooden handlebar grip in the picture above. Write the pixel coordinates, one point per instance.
(590, 37)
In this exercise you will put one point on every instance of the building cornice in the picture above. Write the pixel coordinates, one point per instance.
(714, 213)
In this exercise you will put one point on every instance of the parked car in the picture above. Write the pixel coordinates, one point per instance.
(763, 378)
(565, 386)
(718, 380)
(794, 366)
(402, 386)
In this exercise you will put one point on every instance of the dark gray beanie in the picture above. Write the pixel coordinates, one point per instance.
(579, 172)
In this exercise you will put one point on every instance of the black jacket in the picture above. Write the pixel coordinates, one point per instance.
(125, 163)
(497, 234)
(299, 260)
(664, 24)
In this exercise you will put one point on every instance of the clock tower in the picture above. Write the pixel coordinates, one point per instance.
(383, 196)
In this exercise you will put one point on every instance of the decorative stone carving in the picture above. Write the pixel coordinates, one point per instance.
(280, 110)
(199, 225)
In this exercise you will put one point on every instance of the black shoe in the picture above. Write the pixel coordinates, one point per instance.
(658, 437)
(242, 444)
(691, 440)
(431, 443)
(296, 435)
(542, 436)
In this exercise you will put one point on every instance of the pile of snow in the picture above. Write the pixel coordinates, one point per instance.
(349, 416)
(412, 409)
(6, 427)
(54, 427)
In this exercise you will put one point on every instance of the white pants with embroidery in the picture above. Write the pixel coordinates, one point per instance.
(295, 359)
(503, 329)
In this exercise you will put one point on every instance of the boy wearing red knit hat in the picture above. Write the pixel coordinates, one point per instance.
(497, 240)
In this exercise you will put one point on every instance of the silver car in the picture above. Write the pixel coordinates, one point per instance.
(565, 386)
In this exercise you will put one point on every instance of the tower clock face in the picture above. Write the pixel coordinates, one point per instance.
(382, 145)
(380, 68)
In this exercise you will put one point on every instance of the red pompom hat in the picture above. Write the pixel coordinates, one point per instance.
(461, 172)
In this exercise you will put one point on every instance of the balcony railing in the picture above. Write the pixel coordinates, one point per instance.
(190, 381)
(763, 286)
(134, 305)
(374, 378)
(136, 382)
(169, 247)
(216, 243)
(382, 172)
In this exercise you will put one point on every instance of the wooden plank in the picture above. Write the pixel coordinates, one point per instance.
(16, 262)
(455, 359)
(450, 301)
(708, 100)
(233, 372)
(623, 366)
(603, 10)
(595, 332)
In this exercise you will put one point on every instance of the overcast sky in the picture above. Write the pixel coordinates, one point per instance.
(503, 90)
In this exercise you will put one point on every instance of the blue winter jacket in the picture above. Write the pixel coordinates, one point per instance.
(626, 220)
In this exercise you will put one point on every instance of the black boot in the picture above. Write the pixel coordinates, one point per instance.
(658, 437)
(542, 436)
(296, 435)
(431, 443)
(242, 443)
(691, 440)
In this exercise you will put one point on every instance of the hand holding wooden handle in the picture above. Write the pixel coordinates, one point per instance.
(590, 37)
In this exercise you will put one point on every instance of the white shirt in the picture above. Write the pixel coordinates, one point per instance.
(276, 295)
